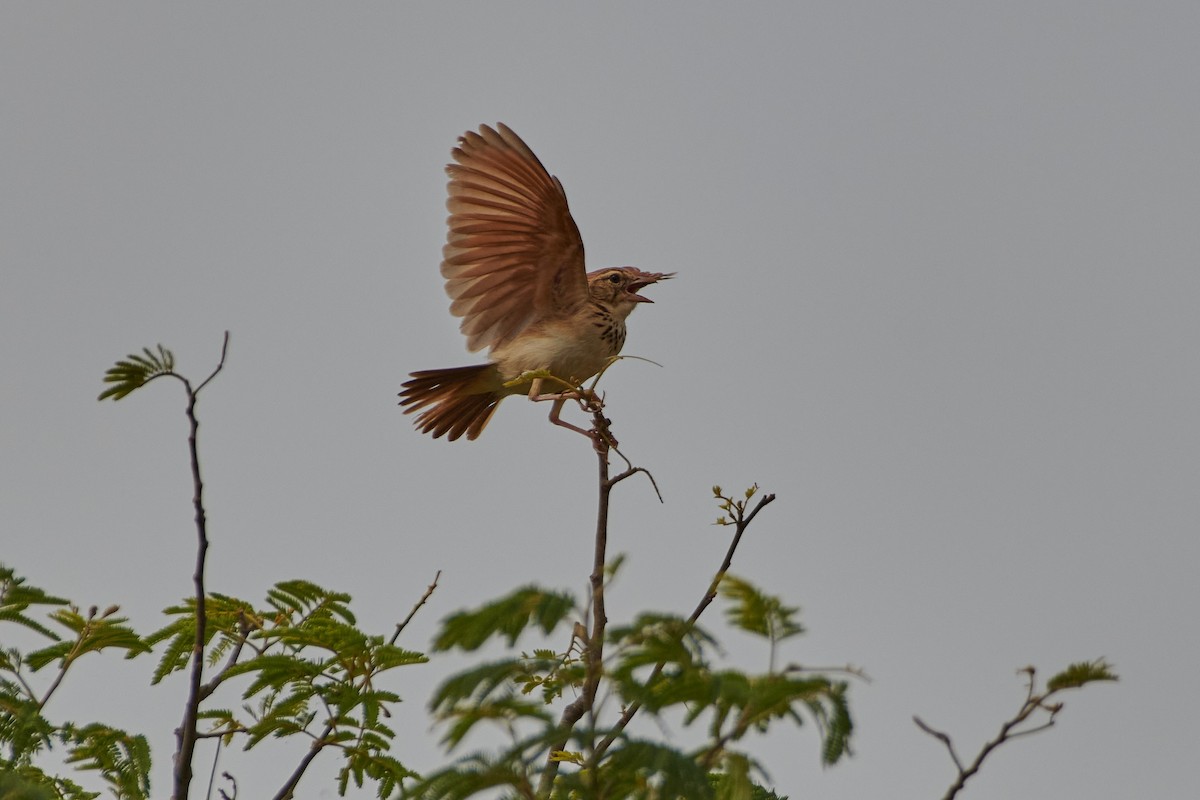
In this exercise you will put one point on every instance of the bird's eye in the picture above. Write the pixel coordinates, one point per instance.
(614, 278)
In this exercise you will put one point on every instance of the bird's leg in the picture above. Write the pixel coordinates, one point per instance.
(601, 436)
(555, 419)
(588, 400)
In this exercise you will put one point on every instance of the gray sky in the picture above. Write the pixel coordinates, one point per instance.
(937, 288)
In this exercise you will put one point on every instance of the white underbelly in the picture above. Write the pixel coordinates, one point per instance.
(570, 358)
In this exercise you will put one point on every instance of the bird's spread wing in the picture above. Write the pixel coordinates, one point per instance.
(513, 254)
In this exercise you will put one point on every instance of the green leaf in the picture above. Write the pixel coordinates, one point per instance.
(487, 693)
(225, 619)
(645, 769)
(480, 683)
(653, 639)
(729, 785)
(299, 598)
(130, 375)
(474, 775)
(504, 712)
(507, 617)
(833, 717)
(16, 597)
(734, 782)
(758, 613)
(92, 634)
(1080, 674)
(28, 783)
(374, 764)
(123, 760)
(22, 727)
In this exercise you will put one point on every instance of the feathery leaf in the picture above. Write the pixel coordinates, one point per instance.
(134, 373)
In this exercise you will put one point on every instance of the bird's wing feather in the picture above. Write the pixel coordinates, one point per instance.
(513, 255)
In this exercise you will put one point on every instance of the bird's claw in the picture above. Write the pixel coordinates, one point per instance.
(588, 400)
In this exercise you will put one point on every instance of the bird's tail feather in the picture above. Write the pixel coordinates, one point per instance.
(456, 401)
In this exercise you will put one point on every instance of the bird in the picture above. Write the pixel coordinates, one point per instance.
(514, 269)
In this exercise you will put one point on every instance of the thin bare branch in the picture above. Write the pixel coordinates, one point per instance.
(221, 733)
(233, 783)
(220, 364)
(741, 523)
(186, 735)
(593, 656)
(1034, 701)
(428, 593)
(212, 775)
(943, 738)
(1037, 729)
(629, 473)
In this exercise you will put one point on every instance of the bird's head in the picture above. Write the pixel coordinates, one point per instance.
(618, 287)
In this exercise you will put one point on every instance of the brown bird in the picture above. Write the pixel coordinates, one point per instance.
(513, 264)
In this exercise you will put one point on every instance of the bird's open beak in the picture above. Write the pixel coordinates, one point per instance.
(643, 280)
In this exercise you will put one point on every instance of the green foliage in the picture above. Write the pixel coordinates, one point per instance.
(758, 613)
(128, 376)
(121, 759)
(1080, 674)
(508, 617)
(310, 670)
(93, 633)
(660, 638)
(16, 597)
(660, 663)
(33, 785)
(24, 731)
(735, 784)
(228, 621)
(641, 769)
(474, 775)
(491, 693)
(306, 667)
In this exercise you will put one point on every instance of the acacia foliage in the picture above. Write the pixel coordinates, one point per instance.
(296, 667)
(667, 665)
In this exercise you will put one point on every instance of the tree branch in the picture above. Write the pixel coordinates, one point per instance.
(428, 593)
(594, 652)
(287, 792)
(186, 736)
(1033, 702)
(741, 522)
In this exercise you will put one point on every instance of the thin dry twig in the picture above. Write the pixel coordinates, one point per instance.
(233, 783)
(846, 669)
(428, 593)
(1034, 701)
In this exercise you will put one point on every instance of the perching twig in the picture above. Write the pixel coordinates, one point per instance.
(593, 655)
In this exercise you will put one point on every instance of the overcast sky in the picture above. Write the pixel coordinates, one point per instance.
(937, 289)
